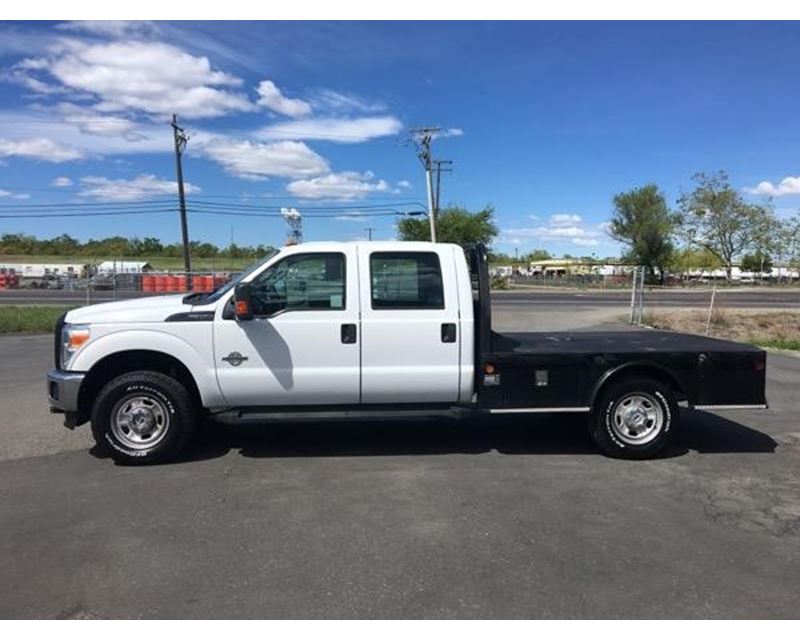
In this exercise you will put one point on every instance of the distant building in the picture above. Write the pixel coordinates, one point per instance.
(43, 270)
(124, 266)
(561, 267)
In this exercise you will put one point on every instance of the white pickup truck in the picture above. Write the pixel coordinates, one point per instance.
(371, 329)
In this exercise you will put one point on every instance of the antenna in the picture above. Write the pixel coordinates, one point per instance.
(295, 221)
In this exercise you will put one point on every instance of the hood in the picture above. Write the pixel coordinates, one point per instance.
(150, 309)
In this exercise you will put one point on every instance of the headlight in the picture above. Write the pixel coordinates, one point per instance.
(73, 337)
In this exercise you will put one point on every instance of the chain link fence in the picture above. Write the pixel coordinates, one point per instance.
(105, 286)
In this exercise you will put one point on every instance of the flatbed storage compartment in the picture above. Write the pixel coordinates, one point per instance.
(565, 370)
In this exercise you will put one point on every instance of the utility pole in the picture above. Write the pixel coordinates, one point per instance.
(439, 164)
(423, 136)
(180, 144)
(369, 231)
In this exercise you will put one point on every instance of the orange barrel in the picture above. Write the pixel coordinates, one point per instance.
(161, 283)
(2, 281)
(148, 284)
(172, 283)
(219, 280)
(208, 283)
(181, 283)
(197, 284)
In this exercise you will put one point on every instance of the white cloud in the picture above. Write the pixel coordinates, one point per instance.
(334, 129)
(110, 28)
(14, 196)
(62, 181)
(564, 219)
(452, 132)
(141, 187)
(404, 184)
(347, 185)
(153, 77)
(561, 227)
(272, 98)
(42, 149)
(789, 186)
(145, 138)
(353, 216)
(258, 160)
(329, 100)
(93, 123)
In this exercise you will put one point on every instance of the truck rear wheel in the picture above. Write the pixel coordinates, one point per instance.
(142, 417)
(634, 418)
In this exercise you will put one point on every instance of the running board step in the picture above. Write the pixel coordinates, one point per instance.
(260, 415)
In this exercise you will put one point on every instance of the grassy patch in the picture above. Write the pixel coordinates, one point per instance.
(777, 330)
(28, 319)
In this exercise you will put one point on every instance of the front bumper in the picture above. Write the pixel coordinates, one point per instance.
(62, 390)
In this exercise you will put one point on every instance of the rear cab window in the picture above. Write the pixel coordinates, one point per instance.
(406, 280)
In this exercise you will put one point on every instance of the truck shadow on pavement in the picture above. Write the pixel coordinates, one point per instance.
(536, 435)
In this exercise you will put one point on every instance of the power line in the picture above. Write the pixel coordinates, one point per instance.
(90, 214)
(240, 214)
(85, 205)
(339, 207)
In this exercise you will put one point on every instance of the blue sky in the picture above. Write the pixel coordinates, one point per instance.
(545, 121)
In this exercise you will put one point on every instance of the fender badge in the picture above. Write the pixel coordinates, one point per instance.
(235, 358)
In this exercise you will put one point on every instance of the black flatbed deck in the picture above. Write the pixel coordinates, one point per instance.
(566, 370)
(602, 342)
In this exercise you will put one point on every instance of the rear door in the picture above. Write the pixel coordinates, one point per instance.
(410, 345)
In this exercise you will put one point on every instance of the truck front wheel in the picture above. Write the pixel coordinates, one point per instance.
(634, 418)
(142, 417)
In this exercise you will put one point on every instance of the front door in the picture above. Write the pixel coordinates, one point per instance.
(302, 346)
(410, 346)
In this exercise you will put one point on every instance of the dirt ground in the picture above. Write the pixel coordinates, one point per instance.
(779, 329)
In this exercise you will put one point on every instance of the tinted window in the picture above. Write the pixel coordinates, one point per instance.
(406, 281)
(305, 281)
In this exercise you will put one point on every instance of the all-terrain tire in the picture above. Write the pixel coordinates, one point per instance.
(634, 418)
(143, 417)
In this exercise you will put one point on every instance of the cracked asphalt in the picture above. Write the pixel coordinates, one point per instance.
(504, 518)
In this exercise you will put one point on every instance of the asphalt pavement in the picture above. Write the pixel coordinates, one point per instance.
(488, 518)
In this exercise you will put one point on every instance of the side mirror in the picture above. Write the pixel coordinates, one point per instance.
(242, 303)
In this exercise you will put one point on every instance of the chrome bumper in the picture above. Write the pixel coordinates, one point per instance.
(62, 390)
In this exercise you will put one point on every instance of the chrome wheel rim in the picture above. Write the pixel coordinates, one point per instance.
(637, 418)
(140, 421)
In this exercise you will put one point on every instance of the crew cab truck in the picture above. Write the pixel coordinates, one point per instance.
(371, 329)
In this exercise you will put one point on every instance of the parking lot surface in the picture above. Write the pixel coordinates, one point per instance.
(487, 518)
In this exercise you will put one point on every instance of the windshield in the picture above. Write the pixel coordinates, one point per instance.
(208, 298)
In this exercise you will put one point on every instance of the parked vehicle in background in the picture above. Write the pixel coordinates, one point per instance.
(371, 330)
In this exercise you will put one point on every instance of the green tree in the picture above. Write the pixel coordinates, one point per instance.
(151, 246)
(757, 262)
(454, 224)
(790, 242)
(643, 222)
(695, 258)
(537, 255)
(716, 217)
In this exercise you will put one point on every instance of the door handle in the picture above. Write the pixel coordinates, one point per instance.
(348, 334)
(448, 332)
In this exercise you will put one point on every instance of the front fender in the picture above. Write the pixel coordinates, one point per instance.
(179, 347)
